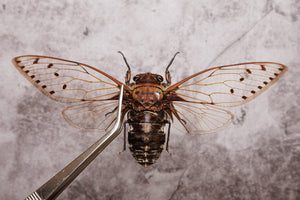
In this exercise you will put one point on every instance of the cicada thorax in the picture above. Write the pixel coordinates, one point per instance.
(146, 119)
(147, 96)
(146, 136)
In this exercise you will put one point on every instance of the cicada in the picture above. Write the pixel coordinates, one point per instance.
(150, 104)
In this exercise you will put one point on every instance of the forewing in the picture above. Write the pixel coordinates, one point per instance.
(67, 81)
(229, 85)
(201, 118)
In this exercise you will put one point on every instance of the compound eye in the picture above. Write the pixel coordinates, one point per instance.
(159, 78)
(136, 78)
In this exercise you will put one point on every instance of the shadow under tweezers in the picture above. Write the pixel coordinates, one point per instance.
(56, 185)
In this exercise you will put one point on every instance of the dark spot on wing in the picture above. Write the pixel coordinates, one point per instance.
(259, 87)
(244, 97)
(56, 74)
(276, 74)
(263, 68)
(50, 65)
(44, 86)
(249, 71)
(265, 82)
(37, 81)
(82, 99)
(32, 76)
(36, 61)
(241, 79)
(253, 92)
(27, 71)
(22, 67)
(271, 78)
(232, 91)
(64, 86)
(281, 69)
(18, 61)
(51, 92)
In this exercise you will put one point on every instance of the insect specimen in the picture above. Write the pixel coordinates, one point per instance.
(150, 103)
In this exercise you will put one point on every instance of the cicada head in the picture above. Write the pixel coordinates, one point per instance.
(148, 78)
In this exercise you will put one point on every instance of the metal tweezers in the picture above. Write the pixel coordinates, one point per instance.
(56, 185)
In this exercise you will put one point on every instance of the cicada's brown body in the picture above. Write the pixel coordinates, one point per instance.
(147, 119)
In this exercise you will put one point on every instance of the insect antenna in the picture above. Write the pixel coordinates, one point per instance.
(128, 73)
(120, 52)
(170, 63)
(167, 73)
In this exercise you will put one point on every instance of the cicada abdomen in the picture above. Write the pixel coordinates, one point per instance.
(146, 136)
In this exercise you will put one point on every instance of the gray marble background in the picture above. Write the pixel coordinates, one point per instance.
(257, 157)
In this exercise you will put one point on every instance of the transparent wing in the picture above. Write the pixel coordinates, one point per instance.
(229, 85)
(201, 118)
(197, 99)
(70, 82)
(92, 114)
(67, 81)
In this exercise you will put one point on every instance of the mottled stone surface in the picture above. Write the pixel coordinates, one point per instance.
(257, 157)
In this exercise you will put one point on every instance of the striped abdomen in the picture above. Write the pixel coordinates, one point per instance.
(146, 135)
